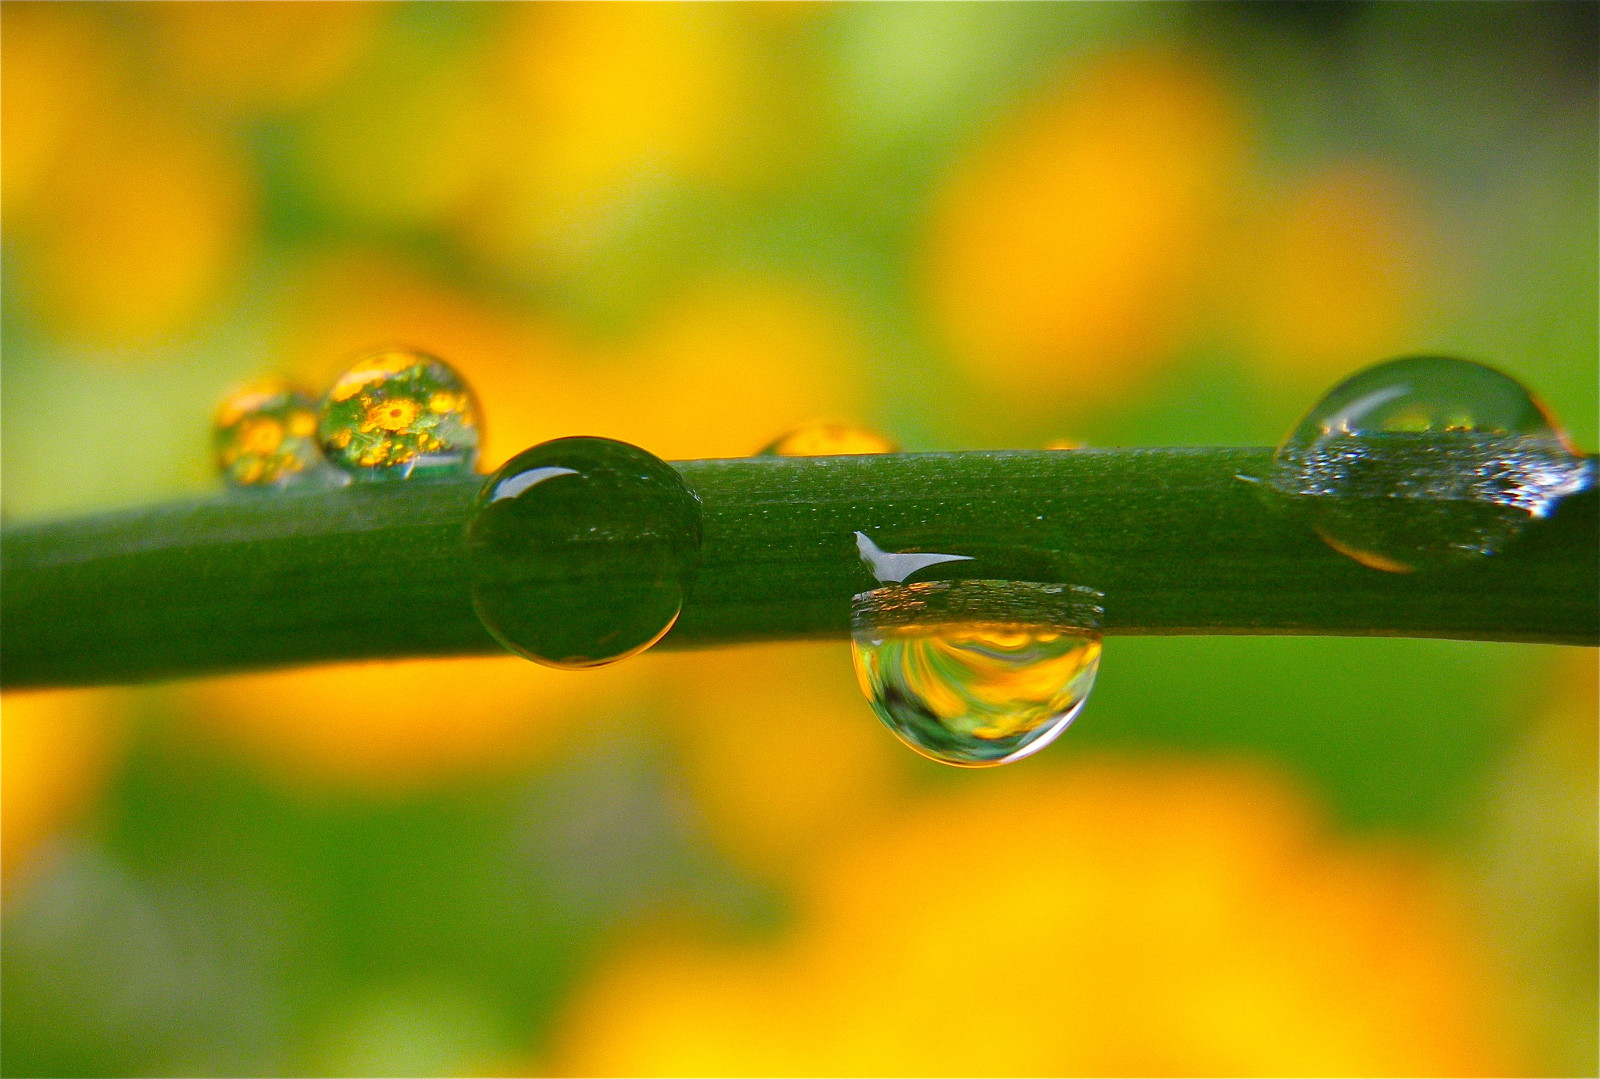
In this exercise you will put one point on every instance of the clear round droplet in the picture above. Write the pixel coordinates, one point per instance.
(828, 440)
(397, 414)
(265, 435)
(582, 551)
(976, 673)
(1426, 461)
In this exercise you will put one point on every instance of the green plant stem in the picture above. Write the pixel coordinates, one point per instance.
(1176, 540)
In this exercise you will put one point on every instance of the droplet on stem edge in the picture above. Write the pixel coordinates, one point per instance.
(1425, 462)
(264, 435)
(976, 673)
(400, 414)
(582, 551)
(828, 440)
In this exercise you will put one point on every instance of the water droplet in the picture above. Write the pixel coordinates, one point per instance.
(976, 673)
(828, 440)
(582, 551)
(398, 413)
(1426, 461)
(265, 435)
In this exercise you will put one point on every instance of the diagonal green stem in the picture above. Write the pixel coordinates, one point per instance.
(1173, 537)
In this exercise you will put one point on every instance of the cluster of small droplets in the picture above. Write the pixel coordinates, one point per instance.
(397, 412)
(828, 440)
(394, 414)
(265, 435)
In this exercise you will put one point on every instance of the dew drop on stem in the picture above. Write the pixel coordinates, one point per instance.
(582, 551)
(400, 414)
(265, 435)
(828, 440)
(976, 673)
(1425, 462)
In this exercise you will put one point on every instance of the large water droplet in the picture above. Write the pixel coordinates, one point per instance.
(976, 673)
(828, 440)
(1426, 461)
(398, 413)
(582, 551)
(265, 435)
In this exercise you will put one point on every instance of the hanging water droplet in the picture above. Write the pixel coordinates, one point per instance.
(1426, 461)
(828, 440)
(976, 673)
(398, 413)
(265, 435)
(582, 551)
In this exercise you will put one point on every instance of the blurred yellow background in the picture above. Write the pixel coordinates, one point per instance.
(695, 227)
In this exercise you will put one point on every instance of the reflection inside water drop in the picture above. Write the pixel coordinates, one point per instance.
(976, 673)
(398, 413)
(265, 435)
(828, 440)
(1426, 461)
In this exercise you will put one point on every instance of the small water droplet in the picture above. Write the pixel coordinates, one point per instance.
(828, 440)
(1426, 461)
(582, 551)
(265, 435)
(976, 673)
(398, 413)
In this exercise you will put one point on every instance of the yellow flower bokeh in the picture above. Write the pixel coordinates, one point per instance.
(143, 227)
(396, 728)
(1107, 918)
(785, 760)
(258, 56)
(1067, 253)
(1337, 275)
(57, 749)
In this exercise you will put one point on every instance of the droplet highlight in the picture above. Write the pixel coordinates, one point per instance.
(397, 414)
(265, 435)
(828, 440)
(976, 673)
(1425, 462)
(582, 551)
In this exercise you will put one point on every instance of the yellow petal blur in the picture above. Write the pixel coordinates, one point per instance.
(399, 727)
(56, 748)
(1066, 253)
(1338, 275)
(782, 756)
(1103, 919)
(141, 231)
(257, 56)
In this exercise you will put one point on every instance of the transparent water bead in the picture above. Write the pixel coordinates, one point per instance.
(265, 435)
(1426, 461)
(582, 551)
(976, 673)
(398, 413)
(828, 440)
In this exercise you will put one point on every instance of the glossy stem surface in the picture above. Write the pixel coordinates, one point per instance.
(1176, 540)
